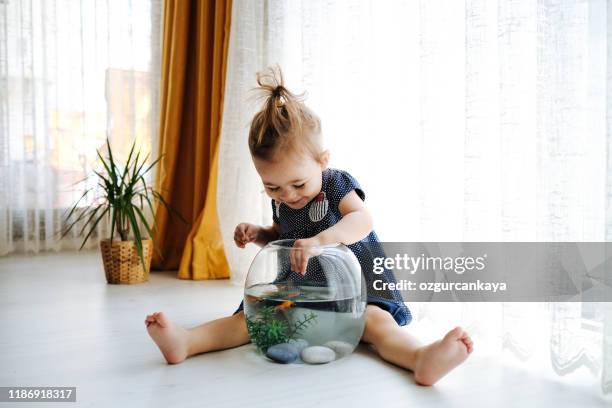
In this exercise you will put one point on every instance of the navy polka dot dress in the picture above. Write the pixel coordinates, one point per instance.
(320, 214)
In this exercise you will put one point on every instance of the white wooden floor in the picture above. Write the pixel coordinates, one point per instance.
(62, 325)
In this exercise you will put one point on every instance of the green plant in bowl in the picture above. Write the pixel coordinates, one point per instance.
(124, 196)
(266, 330)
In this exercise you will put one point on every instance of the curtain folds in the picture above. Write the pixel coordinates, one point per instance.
(195, 39)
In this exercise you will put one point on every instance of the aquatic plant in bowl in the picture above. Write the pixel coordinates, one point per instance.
(267, 330)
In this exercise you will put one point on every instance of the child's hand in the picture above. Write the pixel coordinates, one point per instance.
(304, 249)
(245, 233)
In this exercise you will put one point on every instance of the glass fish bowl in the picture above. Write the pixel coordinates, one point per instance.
(315, 317)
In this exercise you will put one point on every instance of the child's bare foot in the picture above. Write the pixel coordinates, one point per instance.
(437, 359)
(170, 338)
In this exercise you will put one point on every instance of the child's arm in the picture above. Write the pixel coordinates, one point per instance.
(356, 224)
(257, 234)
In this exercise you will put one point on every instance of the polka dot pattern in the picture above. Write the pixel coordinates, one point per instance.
(298, 224)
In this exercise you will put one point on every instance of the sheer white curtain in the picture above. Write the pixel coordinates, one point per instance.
(464, 121)
(71, 74)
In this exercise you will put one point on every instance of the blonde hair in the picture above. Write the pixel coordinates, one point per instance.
(284, 122)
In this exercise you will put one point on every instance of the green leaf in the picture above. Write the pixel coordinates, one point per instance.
(144, 183)
(144, 221)
(136, 173)
(150, 206)
(93, 213)
(154, 226)
(127, 164)
(136, 230)
(80, 181)
(113, 222)
(168, 207)
(109, 168)
(95, 224)
(108, 185)
(151, 165)
(79, 218)
(77, 203)
(112, 173)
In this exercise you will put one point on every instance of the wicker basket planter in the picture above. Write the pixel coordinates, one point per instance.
(121, 261)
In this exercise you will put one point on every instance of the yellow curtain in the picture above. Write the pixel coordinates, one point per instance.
(195, 45)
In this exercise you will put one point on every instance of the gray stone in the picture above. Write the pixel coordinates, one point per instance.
(283, 353)
(299, 344)
(318, 355)
(341, 348)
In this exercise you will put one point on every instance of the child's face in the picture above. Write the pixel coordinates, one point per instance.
(294, 179)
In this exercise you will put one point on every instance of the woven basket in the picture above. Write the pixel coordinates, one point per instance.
(121, 261)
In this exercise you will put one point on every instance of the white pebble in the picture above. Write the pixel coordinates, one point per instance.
(318, 355)
(341, 348)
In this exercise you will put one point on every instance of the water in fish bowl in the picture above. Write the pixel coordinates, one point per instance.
(312, 324)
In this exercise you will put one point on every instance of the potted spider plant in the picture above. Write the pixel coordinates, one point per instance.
(123, 195)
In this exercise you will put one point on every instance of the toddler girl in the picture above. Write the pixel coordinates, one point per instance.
(315, 205)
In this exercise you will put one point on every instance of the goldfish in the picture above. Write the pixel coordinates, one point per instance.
(294, 294)
(253, 299)
(285, 305)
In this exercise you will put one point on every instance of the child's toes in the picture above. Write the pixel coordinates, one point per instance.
(161, 319)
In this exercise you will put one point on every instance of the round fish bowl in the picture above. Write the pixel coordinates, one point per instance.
(313, 317)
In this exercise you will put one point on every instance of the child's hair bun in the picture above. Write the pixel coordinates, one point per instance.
(282, 118)
(281, 104)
